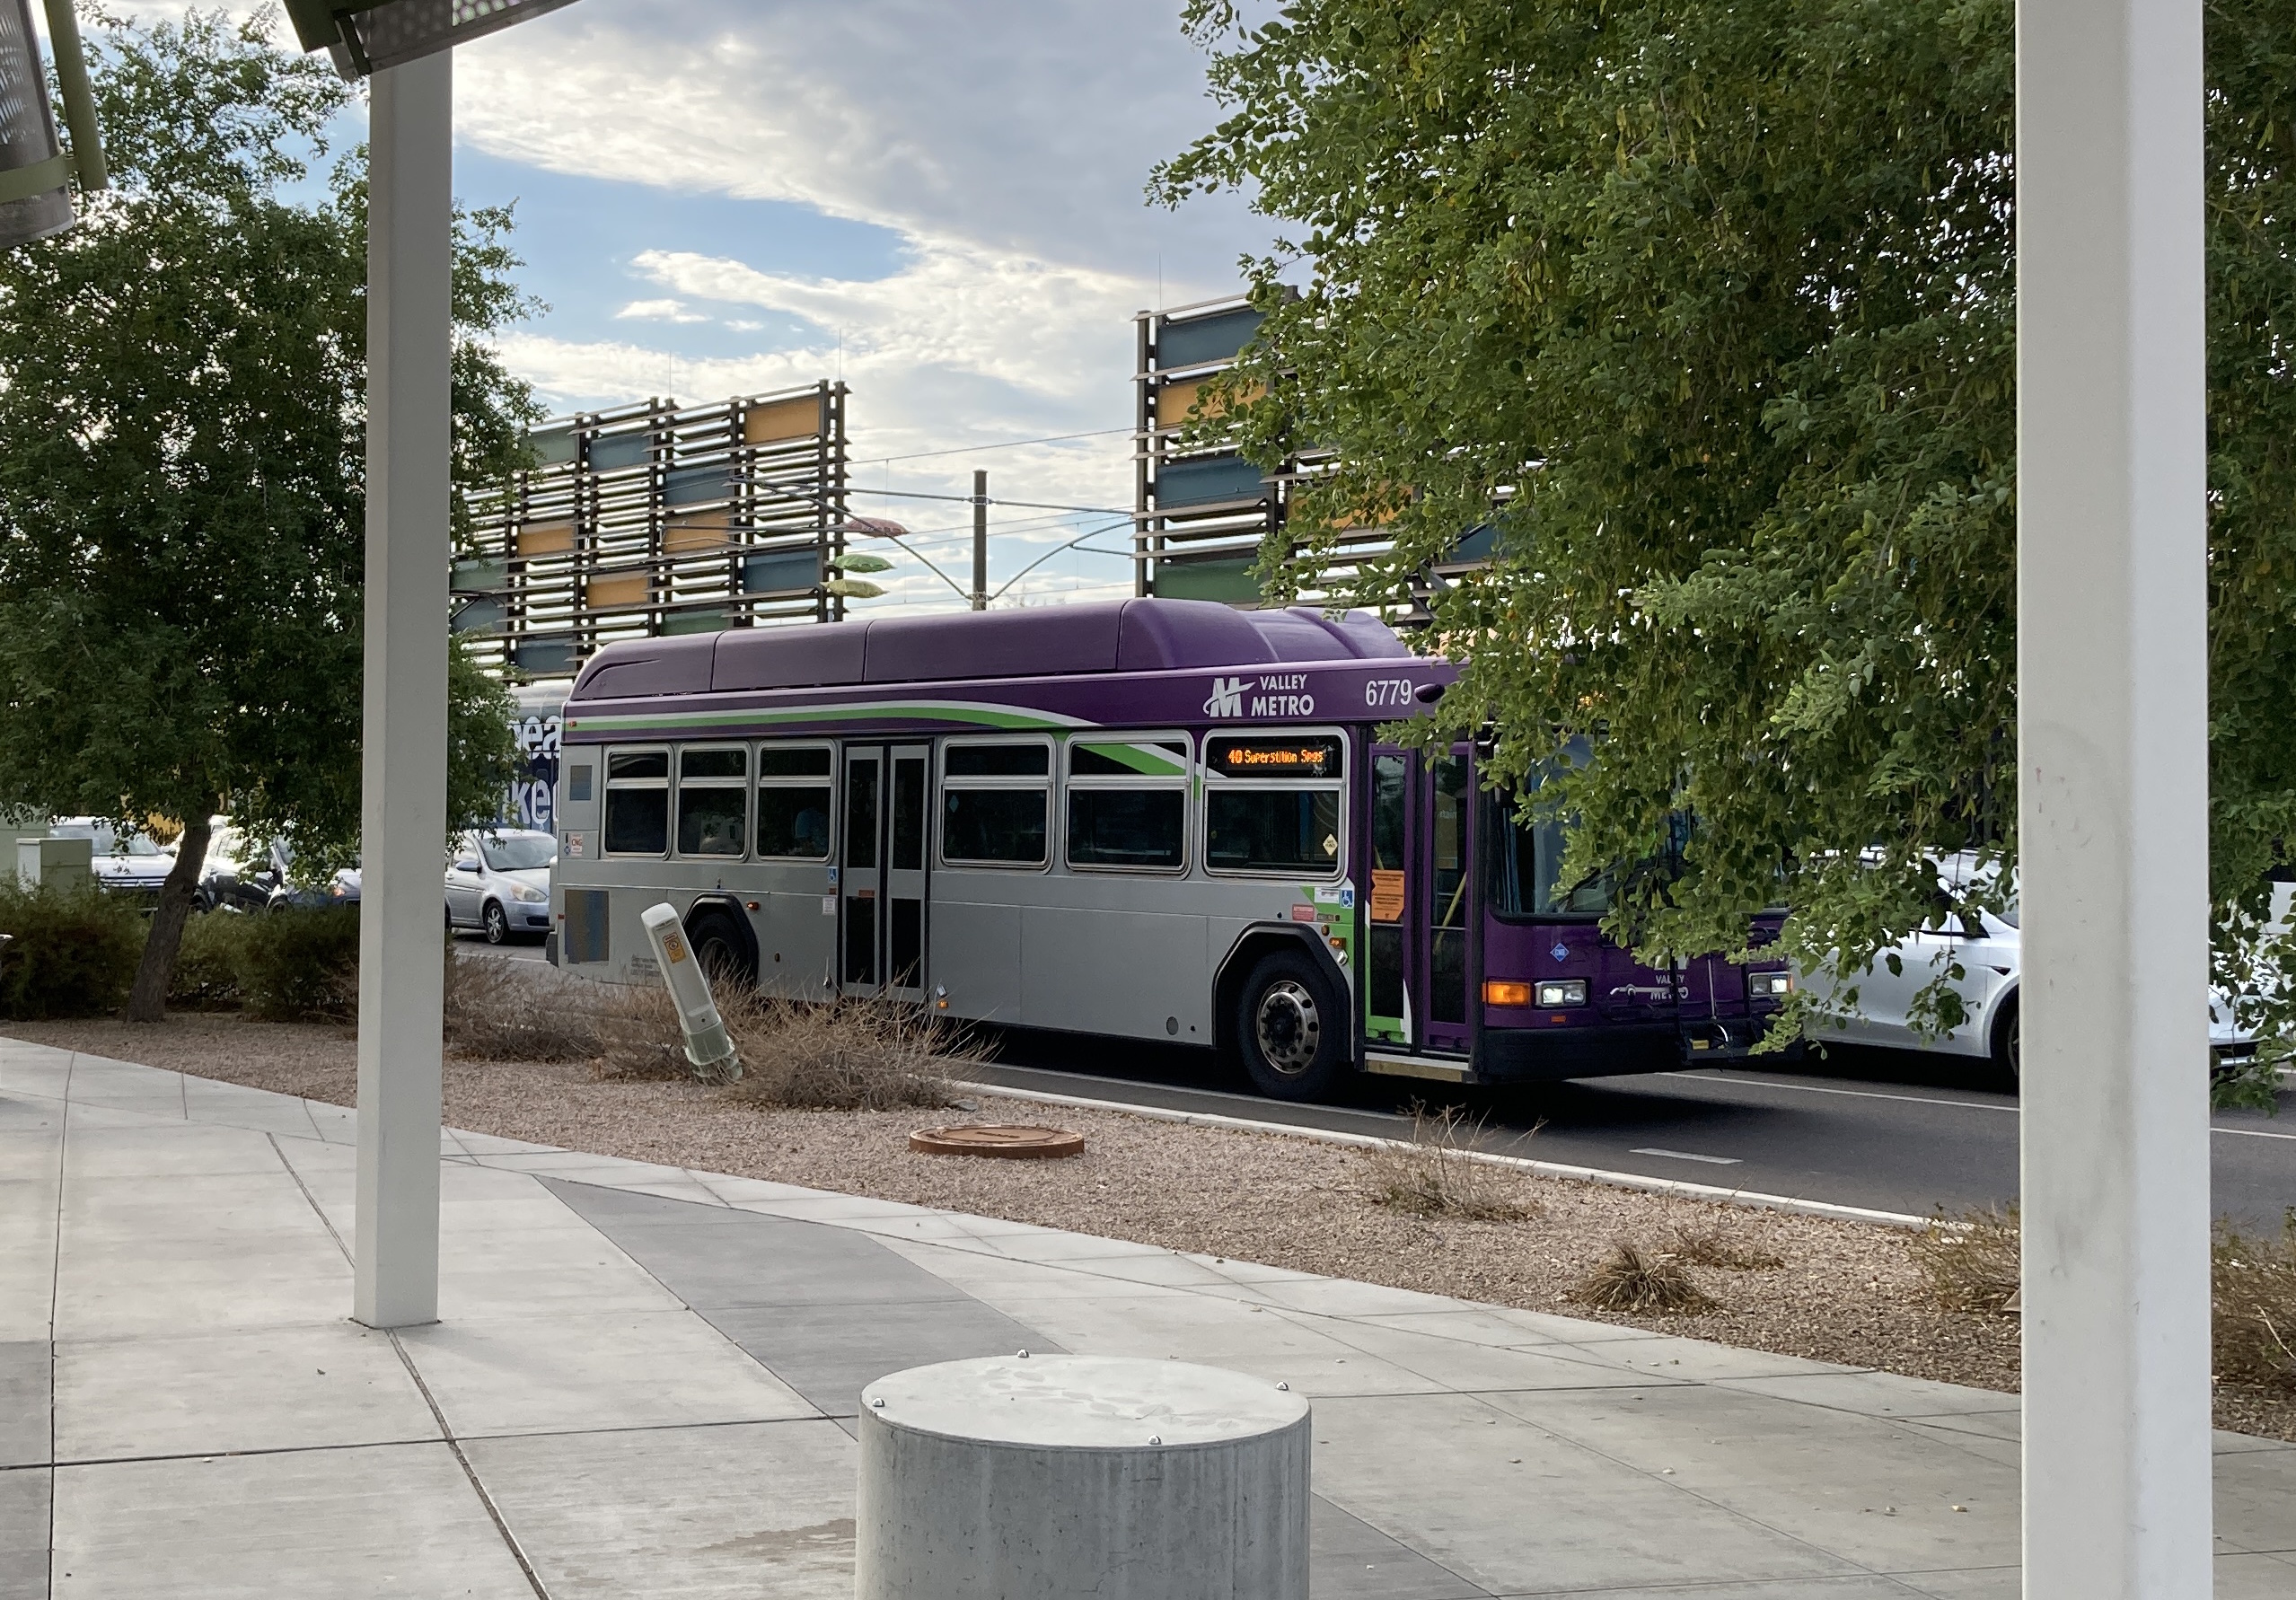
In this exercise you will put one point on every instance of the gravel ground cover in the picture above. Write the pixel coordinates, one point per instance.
(1838, 1291)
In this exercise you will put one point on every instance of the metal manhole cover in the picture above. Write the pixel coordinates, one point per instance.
(1012, 1143)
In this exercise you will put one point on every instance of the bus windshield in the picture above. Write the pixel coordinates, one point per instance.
(1526, 870)
(1526, 867)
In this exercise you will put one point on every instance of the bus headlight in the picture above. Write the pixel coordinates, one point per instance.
(1563, 991)
(1769, 986)
(528, 893)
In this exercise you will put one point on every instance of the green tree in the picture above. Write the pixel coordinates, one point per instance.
(182, 454)
(1708, 309)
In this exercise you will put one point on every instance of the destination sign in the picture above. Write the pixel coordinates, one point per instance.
(1274, 758)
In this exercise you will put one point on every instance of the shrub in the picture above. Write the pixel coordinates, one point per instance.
(71, 953)
(1431, 1175)
(844, 1054)
(1631, 1279)
(1971, 1263)
(210, 964)
(2253, 1281)
(518, 1011)
(301, 965)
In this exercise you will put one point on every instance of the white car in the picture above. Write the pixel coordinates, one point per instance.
(498, 882)
(131, 863)
(1986, 946)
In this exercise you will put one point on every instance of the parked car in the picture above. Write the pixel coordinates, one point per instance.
(247, 874)
(1986, 946)
(498, 882)
(130, 863)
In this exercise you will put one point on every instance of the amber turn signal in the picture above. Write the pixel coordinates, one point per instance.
(1498, 992)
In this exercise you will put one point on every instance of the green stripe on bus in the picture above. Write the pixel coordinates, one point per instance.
(1143, 758)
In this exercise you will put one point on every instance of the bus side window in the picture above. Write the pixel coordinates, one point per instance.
(637, 803)
(1128, 803)
(713, 795)
(996, 800)
(1272, 804)
(794, 802)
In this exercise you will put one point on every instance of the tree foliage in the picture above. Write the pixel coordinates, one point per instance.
(1709, 311)
(183, 386)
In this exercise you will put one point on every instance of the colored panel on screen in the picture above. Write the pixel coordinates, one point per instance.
(783, 420)
(774, 572)
(610, 452)
(1207, 481)
(1206, 338)
(1228, 582)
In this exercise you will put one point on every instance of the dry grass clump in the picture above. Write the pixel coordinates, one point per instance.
(836, 1055)
(845, 1054)
(516, 1011)
(2253, 1281)
(1431, 1175)
(1970, 1263)
(1634, 1280)
(1713, 1247)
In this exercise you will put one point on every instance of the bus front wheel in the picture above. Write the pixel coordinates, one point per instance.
(1291, 1030)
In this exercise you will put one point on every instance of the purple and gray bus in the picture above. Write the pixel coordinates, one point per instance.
(1150, 819)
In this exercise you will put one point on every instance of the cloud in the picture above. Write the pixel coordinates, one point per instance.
(1004, 146)
(658, 310)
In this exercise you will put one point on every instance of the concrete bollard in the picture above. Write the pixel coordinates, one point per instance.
(1030, 1477)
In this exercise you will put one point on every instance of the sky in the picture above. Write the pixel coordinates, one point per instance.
(939, 203)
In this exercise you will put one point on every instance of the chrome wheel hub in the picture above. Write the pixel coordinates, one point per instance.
(1288, 1028)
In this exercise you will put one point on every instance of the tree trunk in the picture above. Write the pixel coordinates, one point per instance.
(147, 1001)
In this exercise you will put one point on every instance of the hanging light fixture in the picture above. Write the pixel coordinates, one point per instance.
(36, 172)
(364, 36)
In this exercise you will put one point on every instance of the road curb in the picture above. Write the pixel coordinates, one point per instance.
(1751, 1199)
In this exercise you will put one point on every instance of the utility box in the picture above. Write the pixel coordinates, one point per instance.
(62, 863)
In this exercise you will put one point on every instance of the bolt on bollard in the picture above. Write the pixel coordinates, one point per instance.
(708, 1045)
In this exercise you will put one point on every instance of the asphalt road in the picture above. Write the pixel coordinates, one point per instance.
(1895, 1130)
(1890, 1130)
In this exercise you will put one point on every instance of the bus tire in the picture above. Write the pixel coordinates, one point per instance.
(719, 947)
(2007, 1044)
(1290, 1029)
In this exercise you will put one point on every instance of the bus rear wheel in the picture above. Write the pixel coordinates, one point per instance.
(718, 946)
(1292, 1032)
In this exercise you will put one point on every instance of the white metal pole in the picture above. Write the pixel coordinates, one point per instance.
(401, 970)
(2113, 808)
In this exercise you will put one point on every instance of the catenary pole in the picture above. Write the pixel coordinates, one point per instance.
(980, 540)
(2113, 804)
(403, 772)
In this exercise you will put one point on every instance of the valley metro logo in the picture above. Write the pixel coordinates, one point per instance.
(1227, 697)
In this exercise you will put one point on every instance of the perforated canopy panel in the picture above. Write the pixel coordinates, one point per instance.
(400, 31)
(27, 130)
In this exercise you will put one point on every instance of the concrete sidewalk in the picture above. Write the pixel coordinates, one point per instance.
(644, 1382)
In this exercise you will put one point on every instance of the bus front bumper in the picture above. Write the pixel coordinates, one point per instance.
(1549, 1055)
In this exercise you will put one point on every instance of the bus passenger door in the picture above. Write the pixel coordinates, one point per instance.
(1389, 980)
(905, 871)
(859, 969)
(1447, 796)
(1422, 899)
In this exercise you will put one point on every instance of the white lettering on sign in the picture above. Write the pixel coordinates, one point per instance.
(1283, 681)
(1227, 698)
(1283, 705)
(1388, 691)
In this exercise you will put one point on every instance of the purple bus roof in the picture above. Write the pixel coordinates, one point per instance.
(1124, 636)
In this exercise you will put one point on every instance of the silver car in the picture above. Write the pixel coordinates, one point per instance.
(498, 882)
